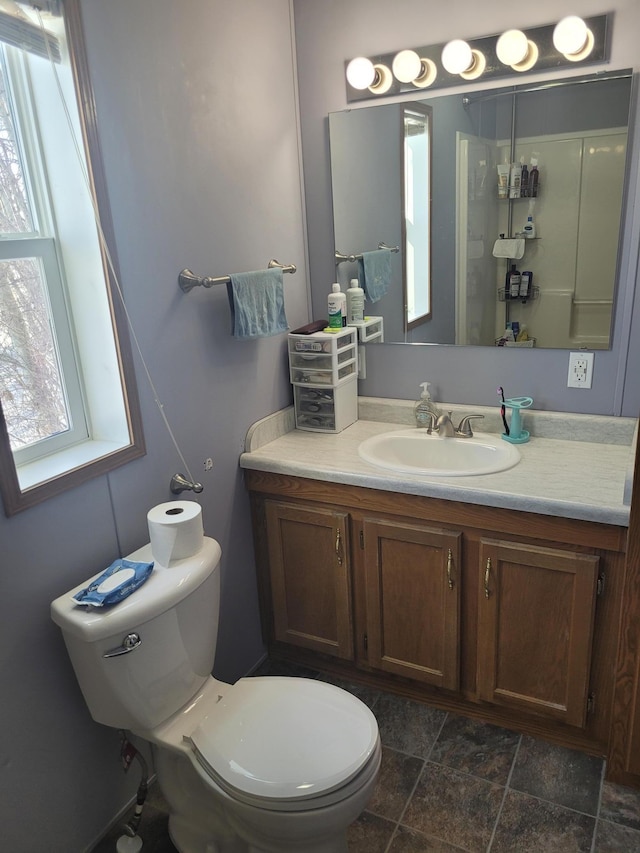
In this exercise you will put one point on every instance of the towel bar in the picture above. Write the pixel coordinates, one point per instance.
(340, 257)
(188, 280)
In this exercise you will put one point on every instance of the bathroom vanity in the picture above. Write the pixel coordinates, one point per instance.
(497, 596)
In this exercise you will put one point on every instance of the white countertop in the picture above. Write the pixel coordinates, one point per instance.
(567, 478)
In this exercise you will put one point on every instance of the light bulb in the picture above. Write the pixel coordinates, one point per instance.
(573, 38)
(478, 64)
(382, 80)
(512, 47)
(406, 66)
(360, 72)
(515, 49)
(427, 75)
(457, 57)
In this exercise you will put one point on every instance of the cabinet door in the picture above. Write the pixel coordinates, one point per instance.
(310, 579)
(413, 601)
(535, 624)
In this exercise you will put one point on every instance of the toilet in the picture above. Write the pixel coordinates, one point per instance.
(266, 765)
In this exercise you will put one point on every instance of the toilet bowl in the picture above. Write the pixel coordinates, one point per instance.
(266, 765)
(289, 762)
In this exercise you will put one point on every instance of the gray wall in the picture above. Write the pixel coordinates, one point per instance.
(202, 160)
(331, 32)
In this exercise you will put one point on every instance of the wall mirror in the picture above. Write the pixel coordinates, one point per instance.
(573, 131)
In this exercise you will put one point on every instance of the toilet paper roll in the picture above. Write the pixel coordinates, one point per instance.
(175, 531)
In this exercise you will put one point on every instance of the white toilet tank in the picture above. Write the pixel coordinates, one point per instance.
(175, 617)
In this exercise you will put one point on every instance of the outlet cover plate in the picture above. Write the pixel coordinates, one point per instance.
(580, 370)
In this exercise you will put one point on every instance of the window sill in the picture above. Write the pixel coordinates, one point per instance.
(57, 464)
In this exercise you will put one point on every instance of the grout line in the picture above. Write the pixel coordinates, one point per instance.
(595, 828)
(418, 777)
(504, 796)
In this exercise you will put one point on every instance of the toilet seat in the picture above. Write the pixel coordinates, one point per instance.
(286, 743)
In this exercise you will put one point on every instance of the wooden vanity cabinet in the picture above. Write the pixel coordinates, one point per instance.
(452, 603)
(536, 610)
(309, 577)
(412, 590)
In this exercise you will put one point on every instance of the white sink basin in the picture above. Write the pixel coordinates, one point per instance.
(414, 451)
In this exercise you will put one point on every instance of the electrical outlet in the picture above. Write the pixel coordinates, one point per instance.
(580, 370)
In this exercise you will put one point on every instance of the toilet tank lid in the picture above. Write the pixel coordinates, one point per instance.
(164, 588)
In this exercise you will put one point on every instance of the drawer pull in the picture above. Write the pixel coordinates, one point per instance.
(338, 547)
(487, 575)
(449, 569)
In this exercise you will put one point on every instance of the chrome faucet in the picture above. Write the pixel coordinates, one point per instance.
(443, 425)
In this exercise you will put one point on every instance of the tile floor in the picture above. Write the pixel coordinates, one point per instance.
(450, 784)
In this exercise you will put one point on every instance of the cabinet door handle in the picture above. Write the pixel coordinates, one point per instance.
(449, 568)
(487, 575)
(338, 547)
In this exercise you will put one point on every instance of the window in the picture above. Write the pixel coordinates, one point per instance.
(68, 403)
(416, 220)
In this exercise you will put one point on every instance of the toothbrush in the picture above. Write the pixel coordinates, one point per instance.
(503, 411)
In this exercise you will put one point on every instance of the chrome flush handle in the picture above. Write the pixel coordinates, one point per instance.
(130, 642)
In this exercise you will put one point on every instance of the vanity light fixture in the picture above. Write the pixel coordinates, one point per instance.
(573, 39)
(547, 48)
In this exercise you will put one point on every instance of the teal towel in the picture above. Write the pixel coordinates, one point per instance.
(374, 272)
(257, 304)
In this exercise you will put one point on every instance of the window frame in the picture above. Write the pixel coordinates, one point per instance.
(15, 497)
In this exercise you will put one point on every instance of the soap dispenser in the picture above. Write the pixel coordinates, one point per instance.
(424, 406)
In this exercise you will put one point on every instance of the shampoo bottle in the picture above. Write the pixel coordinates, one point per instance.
(526, 284)
(514, 181)
(335, 304)
(514, 282)
(355, 303)
(425, 405)
(533, 179)
(524, 181)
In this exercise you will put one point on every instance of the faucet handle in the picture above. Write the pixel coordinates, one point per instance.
(464, 427)
(431, 421)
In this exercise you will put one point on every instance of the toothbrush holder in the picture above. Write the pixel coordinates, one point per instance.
(517, 435)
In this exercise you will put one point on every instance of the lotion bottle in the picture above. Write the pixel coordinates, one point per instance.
(355, 303)
(334, 305)
(529, 228)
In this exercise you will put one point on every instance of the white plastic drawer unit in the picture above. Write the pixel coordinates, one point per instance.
(323, 358)
(324, 373)
(321, 409)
